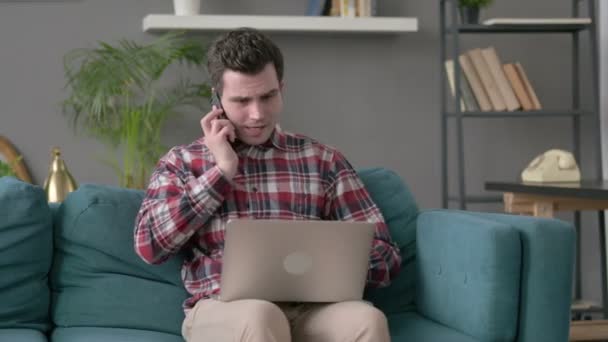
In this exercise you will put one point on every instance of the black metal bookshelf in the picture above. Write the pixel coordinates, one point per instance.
(519, 114)
(451, 31)
(523, 28)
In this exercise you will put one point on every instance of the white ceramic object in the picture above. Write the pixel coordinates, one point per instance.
(187, 7)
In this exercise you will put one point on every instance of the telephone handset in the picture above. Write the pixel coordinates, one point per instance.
(552, 166)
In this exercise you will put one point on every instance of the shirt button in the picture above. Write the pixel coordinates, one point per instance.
(254, 189)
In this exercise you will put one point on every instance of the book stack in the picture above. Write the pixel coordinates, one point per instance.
(489, 85)
(342, 8)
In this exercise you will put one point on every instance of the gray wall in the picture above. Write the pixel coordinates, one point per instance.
(375, 97)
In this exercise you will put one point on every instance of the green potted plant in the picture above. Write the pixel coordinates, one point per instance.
(469, 10)
(115, 96)
(7, 169)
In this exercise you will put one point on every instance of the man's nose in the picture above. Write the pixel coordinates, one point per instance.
(256, 111)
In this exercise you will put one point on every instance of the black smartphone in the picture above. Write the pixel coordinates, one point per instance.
(217, 102)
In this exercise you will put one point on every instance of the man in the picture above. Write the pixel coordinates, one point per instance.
(247, 167)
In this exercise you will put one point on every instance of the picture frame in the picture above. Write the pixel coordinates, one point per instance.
(9, 155)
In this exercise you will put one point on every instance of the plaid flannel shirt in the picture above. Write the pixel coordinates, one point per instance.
(290, 177)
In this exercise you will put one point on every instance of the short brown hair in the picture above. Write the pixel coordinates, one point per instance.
(243, 50)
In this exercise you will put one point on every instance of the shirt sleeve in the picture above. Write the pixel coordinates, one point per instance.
(349, 200)
(176, 205)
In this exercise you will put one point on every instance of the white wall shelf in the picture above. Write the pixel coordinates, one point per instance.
(163, 22)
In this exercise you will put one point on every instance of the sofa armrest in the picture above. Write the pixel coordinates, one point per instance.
(468, 271)
(495, 277)
(548, 247)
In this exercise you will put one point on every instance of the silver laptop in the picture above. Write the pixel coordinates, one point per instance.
(295, 261)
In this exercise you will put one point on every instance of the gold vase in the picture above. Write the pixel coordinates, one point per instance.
(59, 182)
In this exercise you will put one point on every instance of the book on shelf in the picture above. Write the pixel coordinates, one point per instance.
(536, 21)
(467, 100)
(449, 71)
(348, 8)
(502, 84)
(361, 8)
(479, 92)
(315, 7)
(342, 8)
(497, 86)
(373, 8)
(334, 10)
(366, 8)
(487, 80)
(322, 7)
(518, 86)
(528, 86)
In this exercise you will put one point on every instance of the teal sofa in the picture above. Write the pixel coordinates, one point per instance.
(69, 273)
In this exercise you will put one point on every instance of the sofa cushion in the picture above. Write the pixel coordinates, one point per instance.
(410, 326)
(91, 334)
(97, 279)
(26, 238)
(400, 211)
(22, 335)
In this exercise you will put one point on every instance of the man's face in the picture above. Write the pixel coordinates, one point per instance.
(253, 103)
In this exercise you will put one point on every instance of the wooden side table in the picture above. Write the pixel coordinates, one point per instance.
(543, 200)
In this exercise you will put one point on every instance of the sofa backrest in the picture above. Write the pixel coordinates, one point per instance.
(26, 248)
(400, 211)
(97, 280)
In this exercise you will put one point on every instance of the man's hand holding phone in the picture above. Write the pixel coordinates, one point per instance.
(219, 132)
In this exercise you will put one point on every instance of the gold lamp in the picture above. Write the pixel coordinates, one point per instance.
(59, 182)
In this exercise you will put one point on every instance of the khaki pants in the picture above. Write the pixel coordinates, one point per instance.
(260, 321)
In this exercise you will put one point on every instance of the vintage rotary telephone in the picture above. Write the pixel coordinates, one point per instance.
(552, 166)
